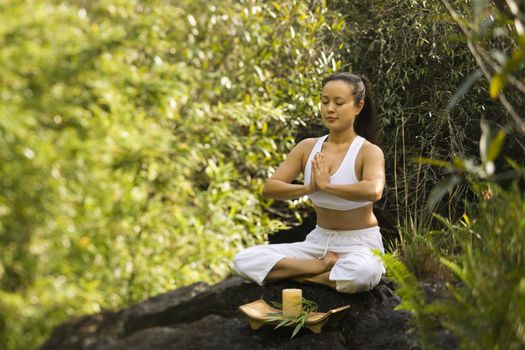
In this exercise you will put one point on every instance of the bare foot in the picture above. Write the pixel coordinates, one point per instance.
(329, 260)
(322, 278)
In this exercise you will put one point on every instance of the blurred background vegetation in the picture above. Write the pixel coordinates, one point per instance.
(135, 137)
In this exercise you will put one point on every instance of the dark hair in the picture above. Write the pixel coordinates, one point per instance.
(365, 124)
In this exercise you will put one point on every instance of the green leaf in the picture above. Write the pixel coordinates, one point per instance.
(495, 146)
(498, 80)
(440, 190)
(433, 162)
(443, 220)
(496, 85)
(460, 164)
(296, 330)
(484, 140)
(277, 304)
(455, 268)
(284, 322)
(463, 89)
(513, 164)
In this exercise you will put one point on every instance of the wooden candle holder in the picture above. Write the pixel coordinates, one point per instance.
(257, 313)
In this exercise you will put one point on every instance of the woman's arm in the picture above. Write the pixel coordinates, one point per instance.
(371, 186)
(278, 185)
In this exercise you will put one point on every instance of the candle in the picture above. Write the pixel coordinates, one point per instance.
(292, 302)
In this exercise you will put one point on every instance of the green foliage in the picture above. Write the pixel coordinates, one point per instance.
(495, 32)
(134, 139)
(488, 306)
(418, 60)
(500, 27)
(485, 251)
(467, 169)
(420, 250)
(405, 48)
(308, 306)
(412, 299)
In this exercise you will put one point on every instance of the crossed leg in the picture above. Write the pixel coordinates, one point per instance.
(321, 278)
(305, 270)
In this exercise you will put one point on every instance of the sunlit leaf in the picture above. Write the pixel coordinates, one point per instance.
(496, 85)
(496, 145)
(433, 162)
(455, 268)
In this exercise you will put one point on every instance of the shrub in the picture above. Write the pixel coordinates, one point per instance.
(134, 139)
(488, 306)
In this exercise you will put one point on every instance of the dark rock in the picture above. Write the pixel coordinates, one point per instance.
(207, 317)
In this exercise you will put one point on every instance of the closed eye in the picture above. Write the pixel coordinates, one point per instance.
(337, 103)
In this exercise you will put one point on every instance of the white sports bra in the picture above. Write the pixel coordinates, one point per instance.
(344, 175)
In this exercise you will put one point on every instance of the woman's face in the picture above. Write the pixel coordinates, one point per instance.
(338, 109)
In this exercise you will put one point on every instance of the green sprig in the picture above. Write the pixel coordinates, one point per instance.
(308, 306)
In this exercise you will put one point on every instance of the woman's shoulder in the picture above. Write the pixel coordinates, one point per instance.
(305, 147)
(307, 143)
(368, 149)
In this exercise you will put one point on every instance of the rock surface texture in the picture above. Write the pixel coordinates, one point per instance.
(207, 317)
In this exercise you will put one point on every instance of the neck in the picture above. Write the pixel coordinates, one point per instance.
(342, 137)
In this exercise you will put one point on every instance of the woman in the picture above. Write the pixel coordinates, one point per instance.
(344, 173)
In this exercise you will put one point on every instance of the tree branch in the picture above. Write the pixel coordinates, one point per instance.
(485, 67)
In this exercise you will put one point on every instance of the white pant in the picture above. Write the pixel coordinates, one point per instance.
(356, 270)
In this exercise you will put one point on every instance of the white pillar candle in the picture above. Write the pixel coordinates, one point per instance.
(292, 302)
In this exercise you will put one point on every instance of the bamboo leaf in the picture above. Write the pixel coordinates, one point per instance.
(434, 162)
(283, 323)
(496, 85)
(484, 140)
(296, 330)
(440, 190)
(276, 304)
(495, 146)
(513, 164)
(463, 89)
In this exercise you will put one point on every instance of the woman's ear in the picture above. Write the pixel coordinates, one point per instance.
(360, 106)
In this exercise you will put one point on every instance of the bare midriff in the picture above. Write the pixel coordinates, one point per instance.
(354, 219)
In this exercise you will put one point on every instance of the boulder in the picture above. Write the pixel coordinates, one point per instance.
(201, 316)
